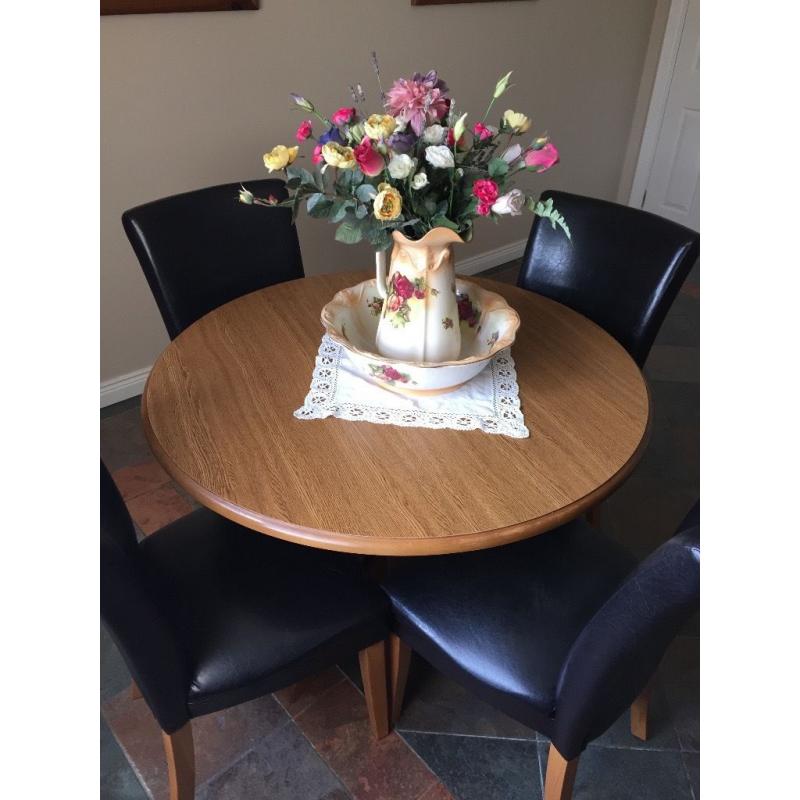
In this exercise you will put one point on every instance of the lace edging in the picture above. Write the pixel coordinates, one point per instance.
(507, 419)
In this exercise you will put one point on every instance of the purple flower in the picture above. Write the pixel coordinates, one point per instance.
(331, 135)
(402, 142)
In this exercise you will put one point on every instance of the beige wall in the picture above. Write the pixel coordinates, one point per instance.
(189, 100)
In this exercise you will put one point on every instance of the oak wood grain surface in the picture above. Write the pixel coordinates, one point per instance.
(217, 411)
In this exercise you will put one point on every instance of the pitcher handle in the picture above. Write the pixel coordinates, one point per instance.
(380, 273)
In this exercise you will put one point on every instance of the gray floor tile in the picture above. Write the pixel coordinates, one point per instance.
(668, 362)
(436, 704)
(692, 763)
(122, 440)
(684, 709)
(606, 773)
(474, 768)
(118, 408)
(117, 780)
(114, 674)
(282, 767)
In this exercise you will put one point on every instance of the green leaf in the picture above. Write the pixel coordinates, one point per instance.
(297, 176)
(546, 211)
(349, 233)
(443, 222)
(366, 192)
(340, 209)
(497, 167)
(318, 206)
(361, 211)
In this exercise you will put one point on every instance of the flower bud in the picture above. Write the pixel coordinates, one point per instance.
(301, 101)
(502, 85)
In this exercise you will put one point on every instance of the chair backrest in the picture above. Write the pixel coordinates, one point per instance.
(130, 612)
(622, 268)
(204, 248)
(620, 648)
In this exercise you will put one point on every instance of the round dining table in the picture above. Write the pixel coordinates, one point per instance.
(218, 414)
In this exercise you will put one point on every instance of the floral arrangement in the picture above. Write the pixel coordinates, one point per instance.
(412, 167)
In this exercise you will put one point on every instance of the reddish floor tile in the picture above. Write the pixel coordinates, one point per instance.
(140, 478)
(157, 508)
(692, 289)
(219, 739)
(297, 698)
(436, 792)
(336, 724)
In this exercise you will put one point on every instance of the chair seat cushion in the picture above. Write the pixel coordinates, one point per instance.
(501, 621)
(254, 614)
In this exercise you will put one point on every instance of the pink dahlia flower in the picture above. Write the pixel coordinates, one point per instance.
(542, 159)
(420, 100)
(369, 161)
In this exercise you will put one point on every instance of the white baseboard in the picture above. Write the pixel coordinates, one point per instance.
(492, 258)
(118, 389)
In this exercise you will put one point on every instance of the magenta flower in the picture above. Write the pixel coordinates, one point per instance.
(343, 116)
(420, 100)
(481, 131)
(485, 190)
(369, 160)
(542, 159)
(304, 131)
(316, 158)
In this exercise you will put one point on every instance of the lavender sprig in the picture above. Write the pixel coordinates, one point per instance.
(374, 58)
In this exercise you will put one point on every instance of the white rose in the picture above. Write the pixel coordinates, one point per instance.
(511, 203)
(512, 154)
(419, 181)
(439, 155)
(433, 134)
(401, 166)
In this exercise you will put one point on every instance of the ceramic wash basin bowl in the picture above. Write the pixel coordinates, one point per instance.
(487, 324)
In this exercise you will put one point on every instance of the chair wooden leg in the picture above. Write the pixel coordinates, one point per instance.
(376, 691)
(179, 748)
(639, 711)
(560, 777)
(399, 660)
(136, 692)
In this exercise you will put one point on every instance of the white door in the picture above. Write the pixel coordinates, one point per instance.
(673, 185)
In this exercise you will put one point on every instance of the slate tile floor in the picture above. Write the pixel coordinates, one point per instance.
(312, 742)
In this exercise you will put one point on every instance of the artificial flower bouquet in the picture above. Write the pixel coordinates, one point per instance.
(412, 167)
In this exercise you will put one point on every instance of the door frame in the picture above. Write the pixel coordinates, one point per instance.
(665, 71)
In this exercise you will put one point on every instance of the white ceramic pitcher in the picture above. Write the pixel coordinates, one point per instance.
(419, 320)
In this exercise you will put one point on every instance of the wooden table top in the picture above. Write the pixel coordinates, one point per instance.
(218, 405)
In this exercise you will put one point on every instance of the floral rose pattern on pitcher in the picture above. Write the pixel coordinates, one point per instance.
(388, 374)
(493, 339)
(467, 311)
(375, 306)
(401, 290)
(447, 323)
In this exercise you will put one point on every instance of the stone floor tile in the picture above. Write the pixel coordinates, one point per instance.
(123, 405)
(681, 662)
(338, 728)
(673, 363)
(220, 739)
(477, 768)
(436, 704)
(661, 734)
(122, 440)
(684, 703)
(283, 766)
(606, 773)
(139, 478)
(437, 792)
(297, 698)
(692, 763)
(691, 289)
(157, 508)
(117, 779)
(114, 673)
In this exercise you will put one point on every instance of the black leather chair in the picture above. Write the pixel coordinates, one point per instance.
(562, 632)
(204, 248)
(208, 615)
(622, 268)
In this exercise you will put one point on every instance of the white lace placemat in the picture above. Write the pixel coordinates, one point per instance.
(489, 402)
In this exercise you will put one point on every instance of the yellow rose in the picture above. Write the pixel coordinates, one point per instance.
(387, 203)
(280, 157)
(379, 126)
(338, 156)
(519, 123)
